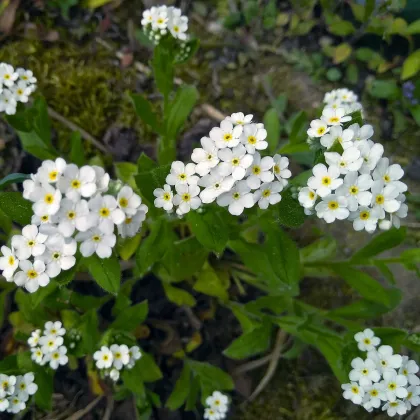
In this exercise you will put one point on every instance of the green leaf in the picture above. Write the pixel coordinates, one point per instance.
(16, 207)
(364, 284)
(129, 246)
(66, 276)
(149, 180)
(77, 151)
(210, 229)
(288, 212)
(9, 364)
(184, 258)
(384, 89)
(149, 370)
(391, 336)
(132, 380)
(369, 8)
(12, 179)
(320, 250)
(180, 108)
(130, 318)
(44, 378)
(88, 328)
(334, 74)
(272, 125)
(380, 243)
(251, 343)
(289, 149)
(365, 54)
(413, 27)
(299, 127)
(193, 44)
(163, 68)
(332, 348)
(105, 271)
(341, 28)
(411, 65)
(145, 111)
(42, 293)
(352, 73)
(181, 389)
(209, 283)
(179, 296)
(211, 378)
(342, 52)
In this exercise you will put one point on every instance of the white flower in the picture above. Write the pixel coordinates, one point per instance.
(206, 157)
(182, 174)
(95, 241)
(32, 275)
(394, 407)
(350, 160)
(268, 194)
(371, 153)
(37, 355)
(50, 343)
(47, 200)
(394, 385)
(103, 358)
(102, 179)
(164, 197)
(74, 215)
(25, 386)
(106, 211)
(58, 357)
(59, 255)
(384, 198)
(226, 135)
(128, 201)
(337, 134)
(307, 197)
(355, 189)
(365, 218)
(51, 171)
(16, 404)
(8, 74)
(135, 355)
(409, 368)
(8, 262)
(361, 133)
(281, 170)
(332, 207)
(413, 397)
(7, 384)
(131, 225)
(318, 128)
(21, 91)
(4, 404)
(260, 171)
(211, 414)
(214, 185)
(324, 180)
(253, 138)
(239, 118)
(76, 182)
(178, 27)
(26, 75)
(334, 116)
(238, 198)
(148, 16)
(218, 402)
(29, 186)
(54, 328)
(235, 162)
(33, 340)
(8, 102)
(385, 224)
(353, 392)
(373, 396)
(390, 174)
(114, 374)
(366, 340)
(187, 198)
(120, 355)
(29, 243)
(385, 359)
(364, 372)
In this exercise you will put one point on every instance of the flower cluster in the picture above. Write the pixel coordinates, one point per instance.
(15, 391)
(344, 99)
(217, 406)
(71, 205)
(111, 360)
(16, 85)
(160, 21)
(355, 182)
(384, 379)
(229, 169)
(49, 347)
(408, 89)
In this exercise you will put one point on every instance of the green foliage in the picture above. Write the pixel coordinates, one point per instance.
(16, 207)
(105, 271)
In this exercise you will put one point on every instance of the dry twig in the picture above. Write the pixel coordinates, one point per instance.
(81, 413)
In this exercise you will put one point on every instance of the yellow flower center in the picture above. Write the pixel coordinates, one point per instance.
(320, 131)
(354, 190)
(380, 199)
(252, 139)
(45, 218)
(7, 76)
(393, 404)
(31, 243)
(105, 357)
(118, 355)
(342, 164)
(311, 195)
(227, 137)
(123, 202)
(374, 393)
(276, 169)
(364, 215)
(410, 394)
(71, 215)
(334, 120)
(166, 196)
(236, 195)
(11, 260)
(20, 91)
(104, 212)
(56, 256)
(235, 161)
(256, 170)
(176, 28)
(56, 356)
(355, 390)
(49, 198)
(266, 193)
(186, 197)
(182, 177)
(326, 180)
(367, 341)
(387, 178)
(333, 205)
(365, 371)
(75, 184)
(96, 238)
(128, 220)
(405, 372)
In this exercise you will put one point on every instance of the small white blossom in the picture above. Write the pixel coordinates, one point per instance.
(260, 171)
(365, 218)
(318, 128)
(134, 354)
(384, 198)
(393, 408)
(164, 198)
(353, 392)
(337, 134)
(76, 183)
(325, 180)
(409, 369)
(366, 340)
(214, 185)
(206, 157)
(389, 174)
(253, 138)
(364, 372)
(226, 135)
(371, 153)
(58, 357)
(182, 174)
(187, 198)
(361, 133)
(32, 276)
(356, 189)
(30, 243)
(120, 355)
(385, 359)
(8, 262)
(350, 160)
(268, 194)
(106, 212)
(238, 198)
(95, 241)
(104, 358)
(307, 197)
(128, 201)
(235, 162)
(25, 386)
(281, 170)
(131, 225)
(114, 374)
(33, 340)
(54, 328)
(334, 116)
(239, 118)
(332, 207)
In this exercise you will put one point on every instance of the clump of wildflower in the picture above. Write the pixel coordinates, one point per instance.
(49, 347)
(356, 182)
(217, 406)
(16, 85)
(228, 169)
(15, 391)
(112, 360)
(71, 205)
(383, 380)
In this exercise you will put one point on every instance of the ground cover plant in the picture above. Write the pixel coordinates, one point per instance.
(154, 283)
